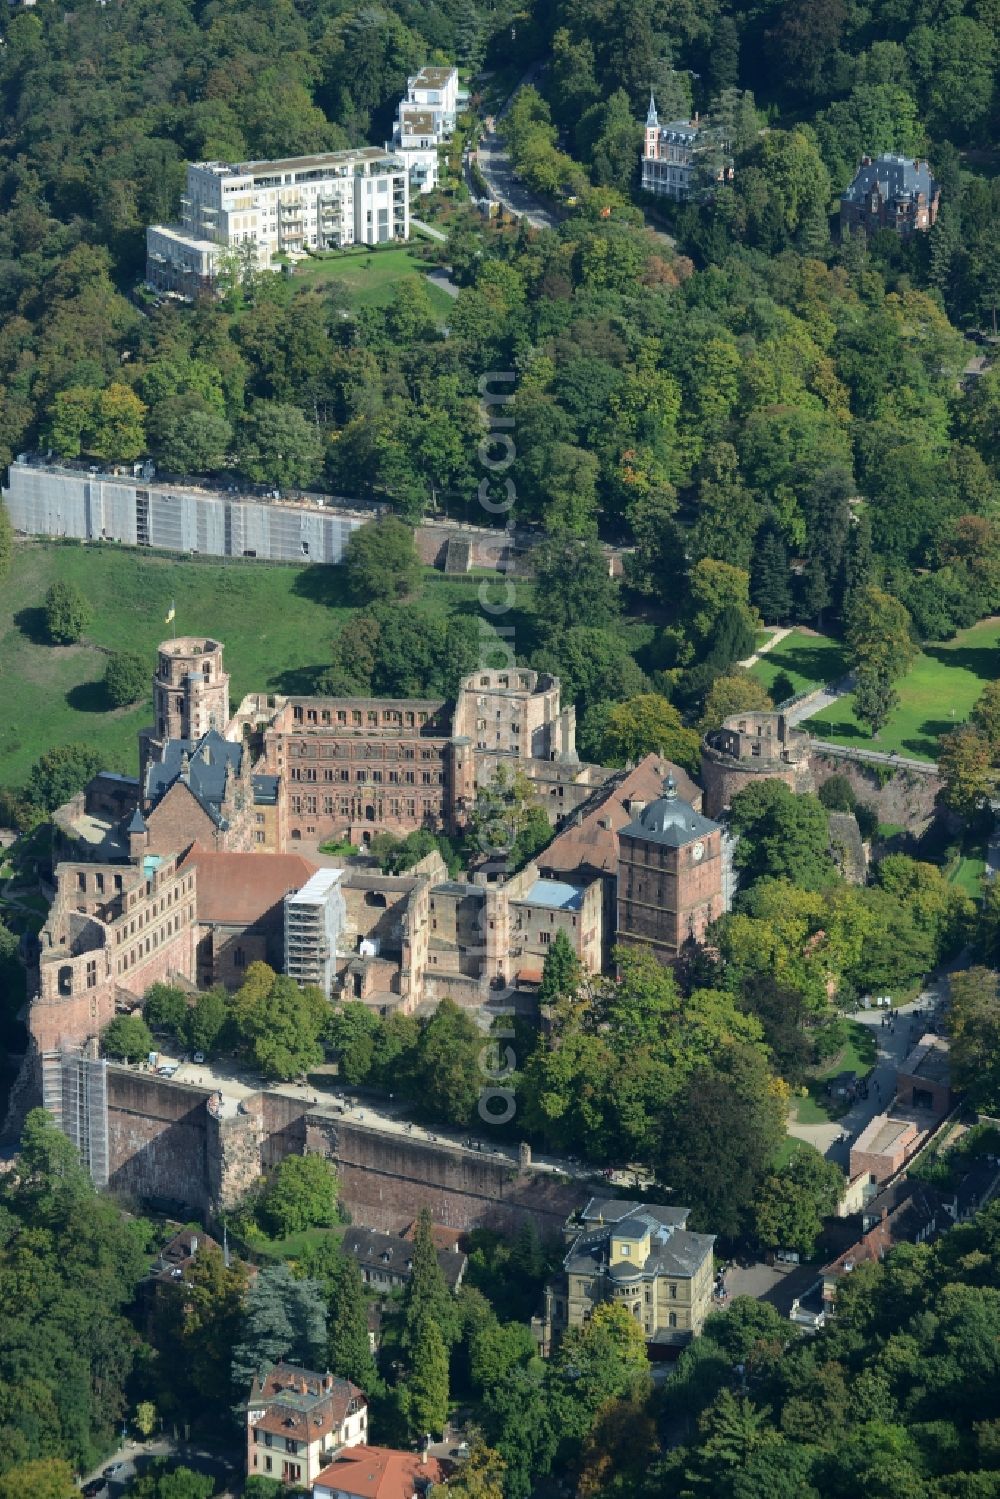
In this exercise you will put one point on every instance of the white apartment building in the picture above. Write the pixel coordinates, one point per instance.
(314, 920)
(283, 207)
(424, 120)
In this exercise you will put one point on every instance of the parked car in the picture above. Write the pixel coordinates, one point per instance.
(94, 1487)
(199, 1056)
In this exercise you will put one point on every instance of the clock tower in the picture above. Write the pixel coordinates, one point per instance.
(669, 875)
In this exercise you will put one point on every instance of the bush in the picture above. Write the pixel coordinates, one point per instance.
(867, 816)
(782, 688)
(125, 678)
(838, 795)
(67, 613)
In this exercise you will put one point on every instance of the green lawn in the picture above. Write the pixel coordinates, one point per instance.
(371, 276)
(276, 624)
(858, 1054)
(937, 693)
(291, 1247)
(807, 659)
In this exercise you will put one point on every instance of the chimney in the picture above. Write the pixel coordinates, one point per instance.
(423, 1457)
(194, 1243)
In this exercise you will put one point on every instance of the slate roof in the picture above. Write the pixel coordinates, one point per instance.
(388, 1254)
(302, 1404)
(897, 177)
(203, 764)
(588, 839)
(670, 820)
(674, 1250)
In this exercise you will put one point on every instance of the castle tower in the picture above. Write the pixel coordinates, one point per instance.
(190, 689)
(669, 875)
(652, 131)
(190, 695)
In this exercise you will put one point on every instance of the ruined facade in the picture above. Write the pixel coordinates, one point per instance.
(749, 747)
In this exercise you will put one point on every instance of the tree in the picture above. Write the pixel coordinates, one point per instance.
(165, 1482)
(881, 648)
(837, 794)
(731, 638)
(60, 773)
(117, 430)
(206, 1021)
(770, 589)
(348, 1349)
(481, 1476)
(729, 695)
(974, 1030)
(965, 763)
(283, 1027)
(645, 725)
(126, 678)
(603, 1360)
(794, 1200)
(67, 613)
(301, 1193)
(278, 446)
(146, 1418)
(284, 1318)
(189, 440)
(781, 835)
(6, 542)
(127, 1037)
(165, 1008)
(573, 585)
(203, 1321)
(381, 561)
(39, 1478)
(506, 822)
(724, 1128)
(986, 716)
(562, 974)
(425, 1392)
(427, 1298)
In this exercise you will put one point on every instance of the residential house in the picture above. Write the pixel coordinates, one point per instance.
(380, 1473)
(386, 1260)
(297, 1420)
(425, 120)
(891, 192)
(677, 155)
(637, 1255)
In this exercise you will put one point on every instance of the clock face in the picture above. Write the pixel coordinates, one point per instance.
(698, 852)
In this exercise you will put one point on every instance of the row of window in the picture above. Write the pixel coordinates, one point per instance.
(375, 777)
(154, 911)
(309, 749)
(403, 718)
(169, 929)
(346, 807)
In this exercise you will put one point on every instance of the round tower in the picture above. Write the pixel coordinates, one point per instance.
(190, 688)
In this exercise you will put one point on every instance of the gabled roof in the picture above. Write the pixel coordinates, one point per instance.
(301, 1403)
(380, 1473)
(588, 839)
(240, 889)
(204, 765)
(389, 1254)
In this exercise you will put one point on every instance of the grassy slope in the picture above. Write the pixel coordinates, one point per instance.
(937, 693)
(809, 660)
(275, 622)
(371, 277)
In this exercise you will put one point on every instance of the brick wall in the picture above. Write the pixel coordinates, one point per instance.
(158, 1139)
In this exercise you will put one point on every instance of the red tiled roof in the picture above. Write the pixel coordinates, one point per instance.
(585, 843)
(301, 1403)
(239, 889)
(378, 1473)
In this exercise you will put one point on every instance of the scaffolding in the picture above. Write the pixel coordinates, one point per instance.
(82, 1114)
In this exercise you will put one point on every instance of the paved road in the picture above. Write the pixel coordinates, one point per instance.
(826, 699)
(893, 1045)
(768, 645)
(442, 280)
